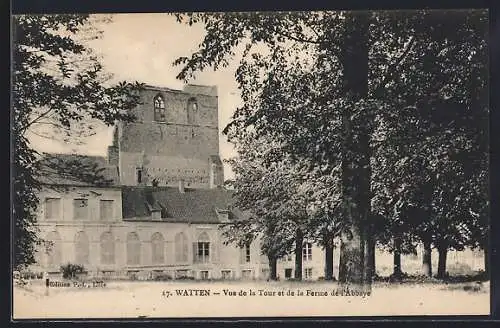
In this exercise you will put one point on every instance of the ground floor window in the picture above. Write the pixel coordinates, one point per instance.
(288, 273)
(132, 275)
(246, 274)
(179, 274)
(226, 274)
(308, 273)
(204, 275)
(109, 274)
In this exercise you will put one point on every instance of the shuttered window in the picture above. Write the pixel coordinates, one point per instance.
(53, 249)
(81, 248)
(107, 248)
(181, 248)
(52, 208)
(81, 209)
(133, 249)
(157, 248)
(106, 210)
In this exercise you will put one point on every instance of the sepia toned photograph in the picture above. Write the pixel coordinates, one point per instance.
(250, 164)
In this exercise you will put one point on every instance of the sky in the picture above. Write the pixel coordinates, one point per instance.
(142, 47)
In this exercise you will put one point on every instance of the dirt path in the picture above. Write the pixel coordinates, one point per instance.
(160, 299)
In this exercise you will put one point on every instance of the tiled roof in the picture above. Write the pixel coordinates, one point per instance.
(193, 206)
(77, 170)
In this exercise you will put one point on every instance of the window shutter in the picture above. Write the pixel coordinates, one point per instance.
(195, 253)
(214, 252)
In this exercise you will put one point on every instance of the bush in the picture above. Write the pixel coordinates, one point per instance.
(69, 271)
(162, 277)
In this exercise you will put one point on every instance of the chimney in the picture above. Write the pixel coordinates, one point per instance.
(181, 186)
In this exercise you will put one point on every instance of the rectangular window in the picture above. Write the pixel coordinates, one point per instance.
(307, 252)
(204, 275)
(288, 273)
(180, 274)
(52, 208)
(106, 210)
(246, 274)
(247, 253)
(81, 208)
(203, 252)
(226, 274)
(308, 273)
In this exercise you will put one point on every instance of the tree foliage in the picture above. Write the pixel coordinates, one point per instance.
(424, 110)
(56, 83)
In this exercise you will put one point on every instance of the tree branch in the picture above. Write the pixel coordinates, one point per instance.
(391, 70)
(286, 35)
(35, 120)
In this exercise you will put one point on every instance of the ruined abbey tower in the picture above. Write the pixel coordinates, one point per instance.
(173, 142)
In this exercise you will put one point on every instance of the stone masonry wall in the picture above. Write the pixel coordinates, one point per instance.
(172, 149)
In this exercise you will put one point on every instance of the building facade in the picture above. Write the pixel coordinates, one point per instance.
(160, 211)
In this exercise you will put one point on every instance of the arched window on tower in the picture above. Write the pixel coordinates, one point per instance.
(192, 108)
(159, 106)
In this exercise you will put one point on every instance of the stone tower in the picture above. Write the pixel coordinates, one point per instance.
(175, 139)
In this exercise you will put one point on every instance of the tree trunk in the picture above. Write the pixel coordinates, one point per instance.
(443, 251)
(427, 259)
(369, 257)
(328, 257)
(352, 257)
(273, 261)
(355, 150)
(299, 244)
(342, 262)
(486, 261)
(397, 272)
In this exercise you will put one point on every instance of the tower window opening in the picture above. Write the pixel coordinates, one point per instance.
(192, 107)
(139, 175)
(159, 108)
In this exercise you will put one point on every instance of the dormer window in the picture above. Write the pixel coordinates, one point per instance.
(159, 105)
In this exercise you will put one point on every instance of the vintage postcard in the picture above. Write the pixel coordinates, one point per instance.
(284, 164)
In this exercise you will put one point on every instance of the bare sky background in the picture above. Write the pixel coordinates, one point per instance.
(142, 47)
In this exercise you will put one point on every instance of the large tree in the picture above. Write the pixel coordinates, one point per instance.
(274, 190)
(57, 83)
(327, 80)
